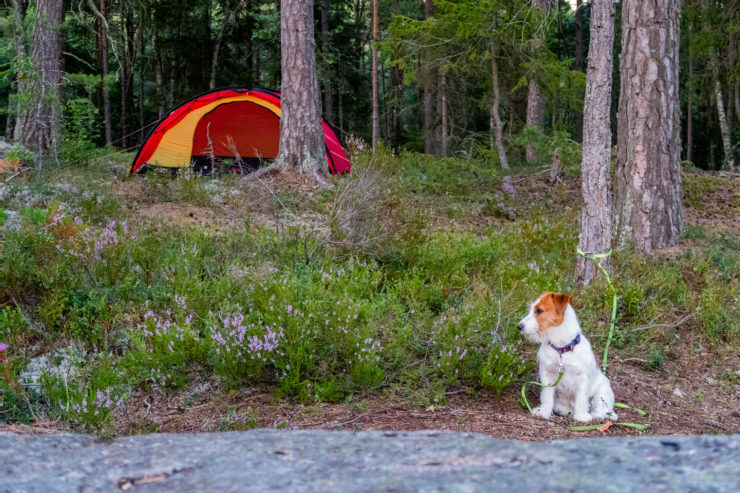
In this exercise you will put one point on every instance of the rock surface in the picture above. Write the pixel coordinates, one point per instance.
(319, 461)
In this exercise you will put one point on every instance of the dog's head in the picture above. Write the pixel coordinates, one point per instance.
(545, 312)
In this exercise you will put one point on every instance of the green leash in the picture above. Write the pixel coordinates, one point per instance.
(595, 257)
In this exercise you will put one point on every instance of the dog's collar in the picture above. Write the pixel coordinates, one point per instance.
(567, 348)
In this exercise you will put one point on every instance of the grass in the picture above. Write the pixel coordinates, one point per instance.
(406, 281)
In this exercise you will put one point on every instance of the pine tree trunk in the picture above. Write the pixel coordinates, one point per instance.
(248, 44)
(396, 94)
(429, 144)
(442, 110)
(374, 76)
(648, 180)
(302, 144)
(39, 123)
(325, 67)
(579, 63)
(690, 104)
(535, 97)
(19, 15)
(497, 126)
(225, 24)
(106, 70)
(158, 71)
(596, 214)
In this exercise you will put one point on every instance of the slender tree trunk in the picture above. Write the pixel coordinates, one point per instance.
(429, 144)
(19, 46)
(724, 127)
(579, 63)
(690, 100)
(442, 110)
(374, 76)
(158, 69)
(39, 123)
(225, 24)
(596, 214)
(106, 72)
(648, 179)
(535, 97)
(248, 44)
(497, 126)
(302, 146)
(737, 100)
(396, 93)
(325, 67)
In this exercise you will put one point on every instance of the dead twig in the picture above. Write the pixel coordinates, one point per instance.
(667, 326)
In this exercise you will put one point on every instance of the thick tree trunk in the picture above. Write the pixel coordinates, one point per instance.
(497, 126)
(596, 214)
(39, 123)
(374, 76)
(428, 97)
(325, 67)
(648, 179)
(302, 144)
(535, 97)
(579, 65)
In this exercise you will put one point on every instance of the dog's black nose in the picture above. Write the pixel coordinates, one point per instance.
(520, 326)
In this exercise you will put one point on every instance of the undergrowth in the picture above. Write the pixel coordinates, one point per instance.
(366, 294)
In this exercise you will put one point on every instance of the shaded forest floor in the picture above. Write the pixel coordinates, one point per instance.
(685, 377)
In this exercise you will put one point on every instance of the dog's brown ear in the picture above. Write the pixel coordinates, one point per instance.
(560, 301)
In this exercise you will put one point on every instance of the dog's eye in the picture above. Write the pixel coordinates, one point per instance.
(538, 311)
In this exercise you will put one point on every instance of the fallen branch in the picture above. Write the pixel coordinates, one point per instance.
(667, 326)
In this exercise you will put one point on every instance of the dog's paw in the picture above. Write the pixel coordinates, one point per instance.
(542, 412)
(610, 415)
(583, 417)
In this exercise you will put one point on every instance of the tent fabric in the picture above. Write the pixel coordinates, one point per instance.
(226, 123)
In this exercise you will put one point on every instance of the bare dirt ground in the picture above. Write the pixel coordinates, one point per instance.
(696, 392)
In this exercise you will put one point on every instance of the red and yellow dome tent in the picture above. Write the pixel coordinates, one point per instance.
(240, 123)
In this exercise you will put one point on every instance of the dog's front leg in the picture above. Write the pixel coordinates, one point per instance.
(580, 406)
(547, 397)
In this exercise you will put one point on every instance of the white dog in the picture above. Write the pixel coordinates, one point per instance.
(583, 392)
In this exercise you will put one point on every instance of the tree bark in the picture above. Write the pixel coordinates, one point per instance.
(429, 143)
(729, 162)
(579, 63)
(374, 75)
(596, 214)
(396, 94)
(690, 102)
(39, 122)
(302, 144)
(325, 67)
(535, 97)
(19, 46)
(106, 71)
(225, 25)
(648, 179)
(442, 110)
(497, 126)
